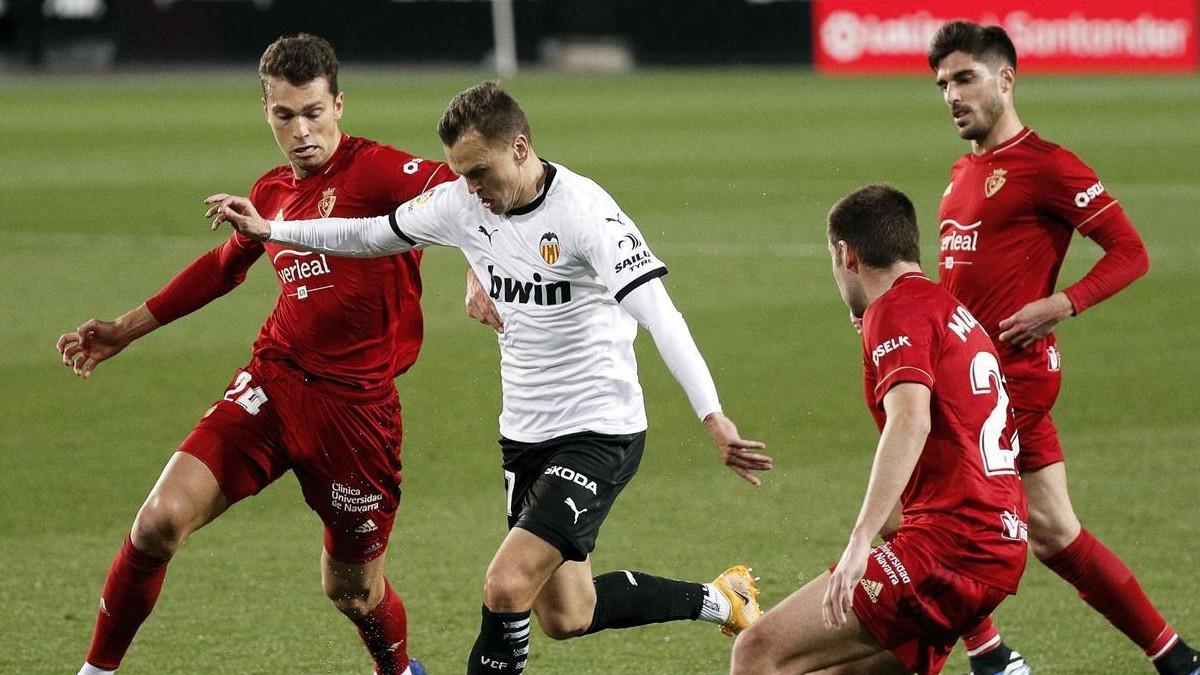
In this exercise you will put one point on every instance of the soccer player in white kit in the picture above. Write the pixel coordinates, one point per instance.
(571, 277)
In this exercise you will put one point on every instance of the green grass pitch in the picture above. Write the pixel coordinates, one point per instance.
(729, 175)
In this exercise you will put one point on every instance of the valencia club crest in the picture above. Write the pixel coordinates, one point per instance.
(549, 248)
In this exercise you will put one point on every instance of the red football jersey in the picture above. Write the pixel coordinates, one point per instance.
(354, 320)
(1006, 221)
(965, 496)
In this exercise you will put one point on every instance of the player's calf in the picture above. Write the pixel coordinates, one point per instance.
(558, 625)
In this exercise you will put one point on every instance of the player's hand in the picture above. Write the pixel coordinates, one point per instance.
(856, 321)
(479, 305)
(839, 594)
(91, 344)
(238, 212)
(735, 450)
(1035, 320)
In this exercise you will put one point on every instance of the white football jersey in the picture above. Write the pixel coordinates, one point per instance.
(555, 270)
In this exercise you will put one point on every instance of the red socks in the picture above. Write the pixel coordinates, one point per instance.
(982, 639)
(135, 579)
(1108, 585)
(132, 587)
(385, 633)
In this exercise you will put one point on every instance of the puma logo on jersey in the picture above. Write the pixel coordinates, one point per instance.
(484, 232)
(571, 505)
(569, 474)
(525, 292)
(887, 346)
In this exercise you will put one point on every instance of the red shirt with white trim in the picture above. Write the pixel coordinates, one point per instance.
(964, 497)
(354, 321)
(1006, 222)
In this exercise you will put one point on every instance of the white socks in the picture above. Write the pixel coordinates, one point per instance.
(89, 669)
(715, 608)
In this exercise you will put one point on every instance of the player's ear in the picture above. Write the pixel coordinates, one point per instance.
(848, 256)
(520, 148)
(1008, 78)
(339, 103)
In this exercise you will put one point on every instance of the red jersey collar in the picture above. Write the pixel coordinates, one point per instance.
(1021, 135)
(909, 275)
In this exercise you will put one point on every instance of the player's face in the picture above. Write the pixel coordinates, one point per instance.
(495, 172)
(847, 281)
(304, 120)
(973, 92)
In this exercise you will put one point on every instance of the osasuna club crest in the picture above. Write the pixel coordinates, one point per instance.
(328, 199)
(993, 183)
(549, 248)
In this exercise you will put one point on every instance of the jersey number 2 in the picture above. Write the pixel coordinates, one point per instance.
(986, 379)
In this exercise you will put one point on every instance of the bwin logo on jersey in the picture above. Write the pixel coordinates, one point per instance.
(526, 292)
(573, 476)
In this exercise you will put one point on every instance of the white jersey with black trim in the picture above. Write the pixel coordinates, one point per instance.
(555, 270)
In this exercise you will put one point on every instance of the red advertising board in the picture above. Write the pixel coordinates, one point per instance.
(866, 36)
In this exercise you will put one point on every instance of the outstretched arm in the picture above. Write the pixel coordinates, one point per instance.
(355, 237)
(96, 341)
(208, 277)
(900, 446)
(653, 309)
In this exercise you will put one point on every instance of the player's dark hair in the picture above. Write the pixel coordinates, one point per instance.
(299, 59)
(983, 43)
(486, 109)
(879, 223)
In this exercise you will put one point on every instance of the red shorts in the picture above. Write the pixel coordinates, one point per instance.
(1038, 438)
(916, 607)
(1034, 377)
(342, 444)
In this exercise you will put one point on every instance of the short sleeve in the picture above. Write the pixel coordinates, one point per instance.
(616, 250)
(1072, 192)
(399, 176)
(430, 219)
(901, 346)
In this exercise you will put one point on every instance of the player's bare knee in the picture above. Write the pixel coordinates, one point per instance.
(161, 526)
(1051, 531)
(353, 601)
(504, 592)
(1046, 542)
(750, 653)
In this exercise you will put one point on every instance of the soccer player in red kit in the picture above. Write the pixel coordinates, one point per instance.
(1007, 218)
(317, 397)
(946, 459)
